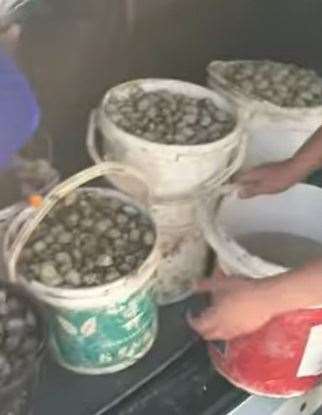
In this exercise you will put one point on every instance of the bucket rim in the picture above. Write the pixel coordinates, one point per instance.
(257, 101)
(224, 244)
(251, 391)
(43, 290)
(225, 142)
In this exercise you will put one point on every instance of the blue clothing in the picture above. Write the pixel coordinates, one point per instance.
(19, 111)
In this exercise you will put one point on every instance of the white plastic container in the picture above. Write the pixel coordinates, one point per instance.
(171, 170)
(275, 133)
(91, 330)
(232, 217)
(177, 175)
(185, 252)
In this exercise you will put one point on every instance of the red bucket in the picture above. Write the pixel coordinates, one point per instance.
(282, 359)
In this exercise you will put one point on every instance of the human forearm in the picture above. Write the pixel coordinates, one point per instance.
(279, 176)
(296, 289)
(309, 157)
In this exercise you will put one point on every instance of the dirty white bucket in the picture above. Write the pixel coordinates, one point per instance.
(177, 176)
(185, 252)
(171, 170)
(283, 357)
(268, 213)
(91, 330)
(275, 133)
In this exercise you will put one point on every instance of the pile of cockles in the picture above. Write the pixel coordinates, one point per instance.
(86, 240)
(168, 118)
(286, 85)
(19, 338)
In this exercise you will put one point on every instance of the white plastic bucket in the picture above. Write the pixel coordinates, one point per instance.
(92, 330)
(185, 252)
(275, 133)
(281, 359)
(171, 170)
(177, 175)
(233, 216)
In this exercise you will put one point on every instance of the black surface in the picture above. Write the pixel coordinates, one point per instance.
(188, 386)
(62, 392)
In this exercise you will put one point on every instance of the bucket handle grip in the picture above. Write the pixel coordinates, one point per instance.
(91, 139)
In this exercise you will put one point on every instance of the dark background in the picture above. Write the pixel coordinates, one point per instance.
(76, 49)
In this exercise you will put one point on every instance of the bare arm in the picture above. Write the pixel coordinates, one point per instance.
(309, 157)
(242, 305)
(277, 177)
(298, 288)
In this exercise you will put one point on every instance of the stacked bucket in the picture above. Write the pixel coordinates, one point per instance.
(178, 175)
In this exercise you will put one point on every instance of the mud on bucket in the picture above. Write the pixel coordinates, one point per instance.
(90, 254)
(180, 167)
(282, 358)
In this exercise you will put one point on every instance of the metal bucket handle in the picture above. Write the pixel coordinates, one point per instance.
(91, 139)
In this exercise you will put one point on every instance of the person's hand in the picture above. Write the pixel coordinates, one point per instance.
(239, 306)
(269, 178)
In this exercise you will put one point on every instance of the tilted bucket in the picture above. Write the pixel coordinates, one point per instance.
(283, 358)
(100, 329)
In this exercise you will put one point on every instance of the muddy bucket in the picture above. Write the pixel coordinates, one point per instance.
(98, 329)
(283, 358)
(173, 170)
(177, 175)
(185, 252)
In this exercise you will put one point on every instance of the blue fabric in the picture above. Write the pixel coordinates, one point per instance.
(19, 111)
